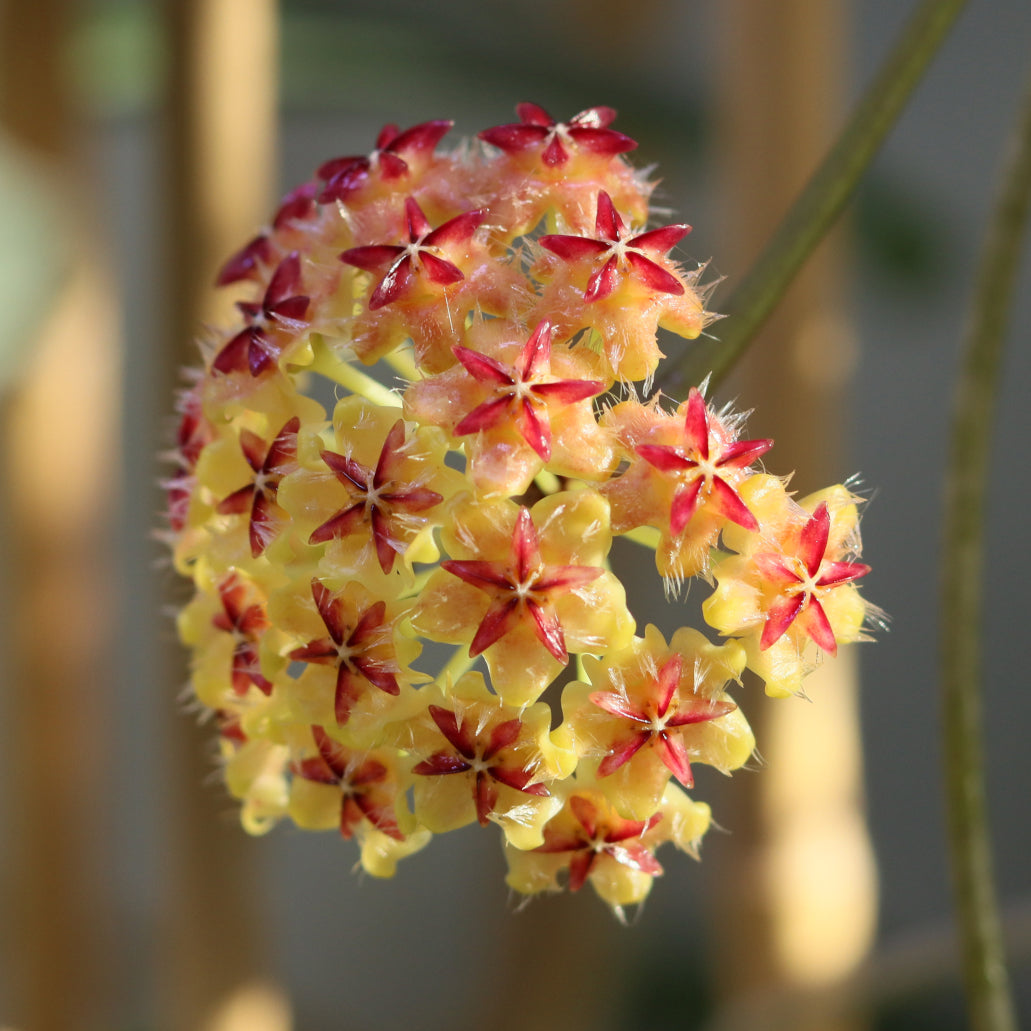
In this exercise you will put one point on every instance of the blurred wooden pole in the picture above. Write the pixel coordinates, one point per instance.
(60, 473)
(220, 165)
(798, 898)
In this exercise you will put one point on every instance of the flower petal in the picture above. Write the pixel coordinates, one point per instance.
(458, 230)
(374, 258)
(441, 764)
(439, 271)
(815, 623)
(833, 573)
(674, 755)
(622, 752)
(483, 368)
(603, 282)
(813, 540)
(393, 284)
(661, 241)
(725, 500)
(685, 504)
(653, 275)
(779, 618)
(502, 616)
(346, 693)
(457, 732)
(574, 248)
(486, 798)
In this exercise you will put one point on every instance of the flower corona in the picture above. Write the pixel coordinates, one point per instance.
(428, 428)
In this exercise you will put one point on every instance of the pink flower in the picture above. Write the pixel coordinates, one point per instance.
(801, 579)
(523, 392)
(422, 257)
(700, 466)
(279, 317)
(537, 131)
(394, 153)
(613, 254)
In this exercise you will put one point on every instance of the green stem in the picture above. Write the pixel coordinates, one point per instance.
(984, 963)
(352, 378)
(402, 361)
(457, 666)
(822, 200)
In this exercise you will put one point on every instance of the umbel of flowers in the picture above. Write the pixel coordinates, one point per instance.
(428, 424)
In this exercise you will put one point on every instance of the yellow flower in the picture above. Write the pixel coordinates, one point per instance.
(791, 590)
(651, 710)
(505, 301)
(526, 587)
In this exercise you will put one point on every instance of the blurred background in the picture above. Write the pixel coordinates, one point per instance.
(141, 144)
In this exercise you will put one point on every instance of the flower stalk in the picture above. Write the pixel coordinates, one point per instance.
(987, 981)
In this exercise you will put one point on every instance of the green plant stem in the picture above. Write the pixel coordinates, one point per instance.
(822, 200)
(987, 982)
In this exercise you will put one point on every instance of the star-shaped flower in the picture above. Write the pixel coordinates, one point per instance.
(536, 130)
(651, 711)
(700, 466)
(614, 255)
(282, 310)
(598, 834)
(389, 161)
(487, 756)
(523, 392)
(590, 839)
(270, 464)
(244, 619)
(364, 782)
(420, 257)
(655, 721)
(802, 580)
(525, 588)
(790, 589)
(522, 589)
(362, 652)
(381, 502)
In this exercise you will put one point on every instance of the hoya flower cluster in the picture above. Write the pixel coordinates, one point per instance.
(397, 482)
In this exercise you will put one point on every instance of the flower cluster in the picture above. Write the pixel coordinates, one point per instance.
(427, 426)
